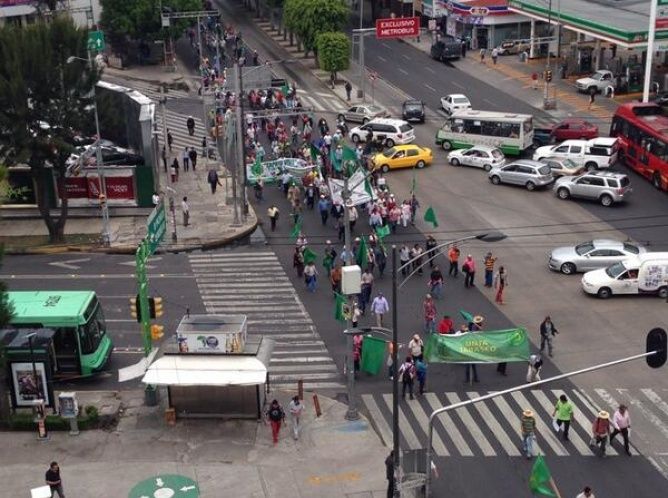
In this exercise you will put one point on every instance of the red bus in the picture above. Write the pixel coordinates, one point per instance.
(642, 132)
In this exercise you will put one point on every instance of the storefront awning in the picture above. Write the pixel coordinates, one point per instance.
(219, 370)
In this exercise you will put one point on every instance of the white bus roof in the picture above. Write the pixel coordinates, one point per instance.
(473, 113)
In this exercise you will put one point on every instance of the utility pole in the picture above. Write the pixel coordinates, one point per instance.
(650, 51)
(360, 91)
(241, 162)
(547, 75)
(396, 461)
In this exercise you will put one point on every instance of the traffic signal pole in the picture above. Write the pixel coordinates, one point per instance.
(141, 257)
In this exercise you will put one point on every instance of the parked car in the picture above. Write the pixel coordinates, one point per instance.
(542, 137)
(447, 48)
(598, 81)
(591, 255)
(602, 186)
(413, 110)
(642, 274)
(530, 174)
(574, 128)
(362, 113)
(403, 156)
(513, 47)
(455, 102)
(597, 153)
(478, 156)
(387, 131)
(563, 167)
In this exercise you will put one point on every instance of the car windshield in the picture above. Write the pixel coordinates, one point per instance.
(373, 109)
(544, 170)
(625, 181)
(597, 76)
(413, 106)
(497, 154)
(405, 127)
(389, 152)
(631, 248)
(584, 248)
(461, 100)
(615, 270)
(568, 163)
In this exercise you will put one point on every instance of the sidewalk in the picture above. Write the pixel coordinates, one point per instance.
(211, 216)
(332, 459)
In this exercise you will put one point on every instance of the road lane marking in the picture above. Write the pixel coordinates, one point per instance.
(68, 265)
(457, 85)
(403, 72)
(574, 437)
(580, 417)
(378, 419)
(472, 426)
(449, 426)
(386, 45)
(423, 422)
(405, 428)
(640, 407)
(382, 58)
(546, 432)
(496, 429)
(405, 57)
(431, 88)
(490, 102)
(430, 70)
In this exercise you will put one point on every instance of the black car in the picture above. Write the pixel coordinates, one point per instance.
(447, 48)
(413, 110)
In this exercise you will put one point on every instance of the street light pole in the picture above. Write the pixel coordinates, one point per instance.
(650, 51)
(360, 91)
(241, 163)
(396, 461)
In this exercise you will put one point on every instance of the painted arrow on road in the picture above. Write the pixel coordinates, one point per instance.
(151, 259)
(69, 263)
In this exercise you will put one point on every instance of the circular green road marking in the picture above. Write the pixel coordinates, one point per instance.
(166, 486)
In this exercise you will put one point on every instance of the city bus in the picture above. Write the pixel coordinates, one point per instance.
(81, 344)
(512, 133)
(641, 131)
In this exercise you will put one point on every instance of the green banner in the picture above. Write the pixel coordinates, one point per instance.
(478, 347)
(373, 354)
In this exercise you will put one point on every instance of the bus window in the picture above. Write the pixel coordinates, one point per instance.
(91, 333)
(65, 341)
(514, 130)
(528, 126)
(472, 127)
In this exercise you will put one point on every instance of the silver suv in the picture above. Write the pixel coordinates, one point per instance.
(530, 174)
(604, 187)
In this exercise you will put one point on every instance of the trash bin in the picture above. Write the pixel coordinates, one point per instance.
(151, 396)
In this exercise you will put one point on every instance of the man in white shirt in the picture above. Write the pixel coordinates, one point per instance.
(379, 307)
(296, 408)
(621, 421)
(185, 209)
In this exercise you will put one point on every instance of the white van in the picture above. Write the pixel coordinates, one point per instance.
(643, 274)
(391, 131)
(597, 153)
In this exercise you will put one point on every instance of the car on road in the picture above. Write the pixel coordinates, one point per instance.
(574, 128)
(591, 255)
(597, 153)
(447, 48)
(645, 273)
(362, 113)
(387, 131)
(602, 186)
(413, 110)
(530, 174)
(403, 156)
(455, 102)
(563, 166)
(598, 81)
(478, 156)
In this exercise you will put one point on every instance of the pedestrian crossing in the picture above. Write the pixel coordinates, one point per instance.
(492, 427)
(253, 283)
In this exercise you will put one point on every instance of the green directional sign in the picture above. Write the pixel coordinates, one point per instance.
(156, 227)
(96, 40)
(166, 486)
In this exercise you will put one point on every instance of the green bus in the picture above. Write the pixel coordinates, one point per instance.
(510, 132)
(81, 344)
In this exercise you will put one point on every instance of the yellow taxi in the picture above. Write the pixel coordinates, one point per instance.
(403, 156)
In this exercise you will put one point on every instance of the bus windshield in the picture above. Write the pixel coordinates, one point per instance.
(91, 333)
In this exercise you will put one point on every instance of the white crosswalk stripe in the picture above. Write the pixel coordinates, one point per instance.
(254, 284)
(492, 427)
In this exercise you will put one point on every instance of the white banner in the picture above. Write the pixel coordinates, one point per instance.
(358, 196)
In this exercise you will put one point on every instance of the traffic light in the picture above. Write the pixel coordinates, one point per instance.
(548, 75)
(157, 331)
(155, 307)
(135, 309)
(656, 341)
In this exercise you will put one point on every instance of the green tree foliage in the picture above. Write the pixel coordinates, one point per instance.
(308, 18)
(333, 51)
(6, 312)
(44, 100)
(141, 20)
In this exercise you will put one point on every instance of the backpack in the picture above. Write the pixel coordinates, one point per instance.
(276, 414)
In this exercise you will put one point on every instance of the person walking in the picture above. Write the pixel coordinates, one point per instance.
(379, 307)
(600, 431)
(436, 283)
(446, 325)
(416, 347)
(389, 474)
(323, 208)
(335, 278)
(592, 97)
(482, 55)
(163, 155)
(170, 140)
(621, 423)
(311, 276)
(276, 416)
(54, 481)
(495, 55)
(185, 159)
(349, 89)
(429, 246)
(296, 408)
(185, 209)
(489, 268)
(190, 125)
(500, 283)
(421, 372)
(474, 326)
(204, 147)
(528, 431)
(365, 290)
(174, 170)
(406, 376)
(273, 214)
(192, 155)
(404, 258)
(469, 271)
(547, 333)
(298, 261)
(429, 309)
(416, 255)
(533, 370)
(563, 413)
(214, 181)
(586, 493)
(453, 258)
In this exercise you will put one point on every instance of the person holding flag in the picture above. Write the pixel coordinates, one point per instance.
(540, 479)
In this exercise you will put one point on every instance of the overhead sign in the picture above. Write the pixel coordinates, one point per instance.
(478, 347)
(156, 227)
(399, 27)
(96, 40)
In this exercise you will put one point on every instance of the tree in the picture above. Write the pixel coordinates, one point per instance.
(44, 100)
(141, 20)
(308, 18)
(333, 52)
(6, 312)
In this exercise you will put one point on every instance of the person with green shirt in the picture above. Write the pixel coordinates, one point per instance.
(563, 411)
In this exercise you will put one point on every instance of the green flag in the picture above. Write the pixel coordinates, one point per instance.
(539, 480)
(339, 307)
(430, 216)
(256, 169)
(314, 152)
(296, 229)
(466, 316)
(361, 255)
(285, 89)
(373, 355)
(492, 346)
(368, 188)
(383, 231)
(349, 154)
(309, 256)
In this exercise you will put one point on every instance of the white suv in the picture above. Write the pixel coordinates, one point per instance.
(390, 131)
(597, 153)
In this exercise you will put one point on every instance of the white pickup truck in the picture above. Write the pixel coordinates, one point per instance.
(597, 153)
(643, 274)
(600, 80)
